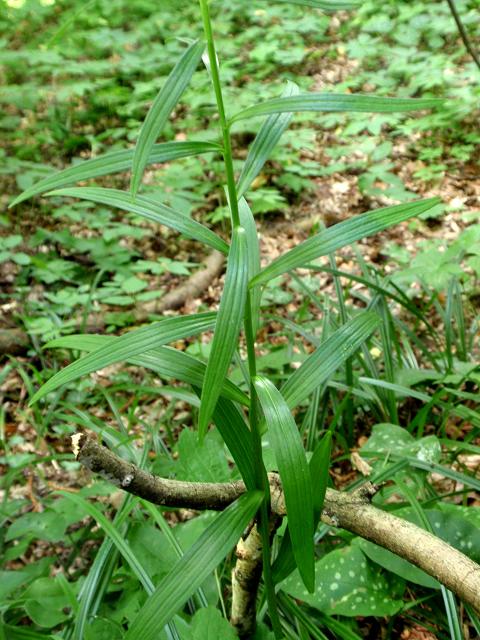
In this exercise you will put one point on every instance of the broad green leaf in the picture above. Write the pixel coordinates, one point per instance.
(229, 321)
(114, 163)
(149, 209)
(253, 252)
(161, 108)
(194, 567)
(450, 527)
(391, 439)
(319, 466)
(335, 102)
(46, 602)
(201, 462)
(325, 5)
(264, 143)
(209, 624)
(341, 235)
(322, 363)
(129, 345)
(347, 585)
(114, 534)
(10, 581)
(167, 362)
(294, 474)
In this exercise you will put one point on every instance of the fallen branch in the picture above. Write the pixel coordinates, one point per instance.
(350, 511)
(17, 341)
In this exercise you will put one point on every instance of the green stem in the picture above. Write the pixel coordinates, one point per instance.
(261, 475)
(217, 87)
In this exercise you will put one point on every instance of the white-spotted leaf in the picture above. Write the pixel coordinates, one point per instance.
(347, 585)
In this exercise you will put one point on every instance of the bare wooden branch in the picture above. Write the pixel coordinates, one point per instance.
(350, 511)
(245, 580)
(168, 493)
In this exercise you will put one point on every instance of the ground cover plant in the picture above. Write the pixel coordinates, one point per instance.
(359, 360)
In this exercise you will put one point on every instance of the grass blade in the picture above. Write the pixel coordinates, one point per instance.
(129, 345)
(95, 579)
(341, 235)
(166, 362)
(294, 473)
(324, 102)
(161, 108)
(114, 163)
(322, 363)
(194, 567)
(149, 209)
(229, 322)
(264, 143)
(115, 536)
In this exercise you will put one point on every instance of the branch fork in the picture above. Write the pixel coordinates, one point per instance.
(350, 511)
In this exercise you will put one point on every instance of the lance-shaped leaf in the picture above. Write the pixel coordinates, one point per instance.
(114, 163)
(294, 474)
(237, 436)
(162, 107)
(194, 567)
(264, 143)
(325, 5)
(229, 321)
(149, 209)
(324, 102)
(168, 363)
(330, 355)
(129, 345)
(253, 250)
(341, 235)
(319, 465)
